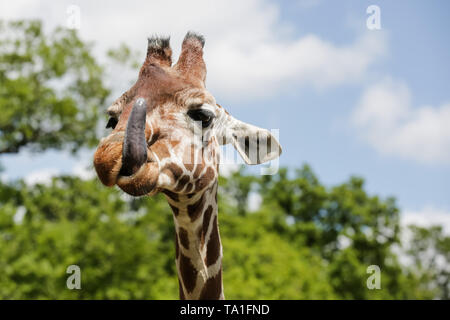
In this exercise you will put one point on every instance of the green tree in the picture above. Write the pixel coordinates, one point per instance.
(51, 88)
(123, 252)
(345, 226)
(125, 246)
(429, 251)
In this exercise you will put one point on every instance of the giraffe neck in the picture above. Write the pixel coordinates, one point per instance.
(198, 245)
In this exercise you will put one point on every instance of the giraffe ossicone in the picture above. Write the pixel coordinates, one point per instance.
(166, 135)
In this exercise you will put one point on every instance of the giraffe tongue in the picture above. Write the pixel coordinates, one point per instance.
(134, 151)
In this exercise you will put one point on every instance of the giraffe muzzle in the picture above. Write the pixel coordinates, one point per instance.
(122, 158)
(138, 174)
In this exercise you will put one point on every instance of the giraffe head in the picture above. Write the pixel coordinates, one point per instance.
(167, 128)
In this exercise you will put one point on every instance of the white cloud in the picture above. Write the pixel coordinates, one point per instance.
(83, 171)
(427, 217)
(387, 120)
(250, 52)
(42, 176)
(269, 66)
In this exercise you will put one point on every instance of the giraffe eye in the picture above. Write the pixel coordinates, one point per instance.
(112, 122)
(203, 115)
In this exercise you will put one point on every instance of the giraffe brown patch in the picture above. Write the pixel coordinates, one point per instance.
(190, 195)
(182, 297)
(189, 165)
(206, 178)
(196, 208)
(182, 183)
(174, 143)
(161, 150)
(175, 170)
(175, 210)
(198, 170)
(188, 273)
(200, 164)
(184, 238)
(213, 246)
(171, 195)
(153, 139)
(205, 225)
(212, 288)
(189, 187)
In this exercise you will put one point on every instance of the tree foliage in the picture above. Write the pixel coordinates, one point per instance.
(51, 88)
(125, 246)
(429, 250)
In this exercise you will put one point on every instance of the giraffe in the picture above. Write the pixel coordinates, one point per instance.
(166, 133)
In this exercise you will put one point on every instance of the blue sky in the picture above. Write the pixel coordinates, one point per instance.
(418, 55)
(347, 100)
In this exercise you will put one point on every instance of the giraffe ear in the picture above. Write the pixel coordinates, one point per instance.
(254, 144)
(159, 51)
(191, 63)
